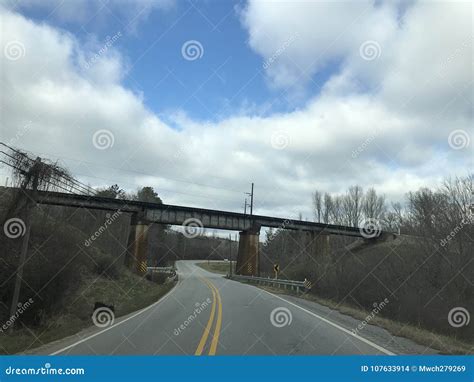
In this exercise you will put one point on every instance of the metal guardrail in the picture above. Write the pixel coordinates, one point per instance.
(285, 284)
(161, 269)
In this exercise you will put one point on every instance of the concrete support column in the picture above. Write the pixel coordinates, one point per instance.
(247, 257)
(320, 244)
(137, 259)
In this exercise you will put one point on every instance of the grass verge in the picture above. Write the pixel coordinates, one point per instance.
(444, 344)
(220, 267)
(128, 293)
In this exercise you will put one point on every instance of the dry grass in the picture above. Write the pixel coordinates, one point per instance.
(220, 267)
(127, 293)
(444, 344)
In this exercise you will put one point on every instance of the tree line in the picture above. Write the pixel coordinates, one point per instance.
(424, 209)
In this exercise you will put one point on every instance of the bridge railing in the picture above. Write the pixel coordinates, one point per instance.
(294, 285)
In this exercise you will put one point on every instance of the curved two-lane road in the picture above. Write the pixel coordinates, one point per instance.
(206, 314)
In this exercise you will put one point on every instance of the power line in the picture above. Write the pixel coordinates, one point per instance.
(154, 175)
(75, 184)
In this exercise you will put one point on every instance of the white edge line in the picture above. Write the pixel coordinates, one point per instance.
(163, 298)
(380, 348)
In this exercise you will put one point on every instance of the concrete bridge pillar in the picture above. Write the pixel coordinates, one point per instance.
(137, 253)
(320, 244)
(247, 257)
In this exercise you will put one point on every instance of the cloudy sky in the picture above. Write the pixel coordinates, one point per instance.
(199, 99)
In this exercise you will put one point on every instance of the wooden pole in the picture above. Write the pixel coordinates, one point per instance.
(30, 204)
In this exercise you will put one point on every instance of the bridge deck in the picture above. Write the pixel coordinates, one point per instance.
(177, 215)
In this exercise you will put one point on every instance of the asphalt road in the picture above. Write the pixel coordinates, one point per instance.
(206, 314)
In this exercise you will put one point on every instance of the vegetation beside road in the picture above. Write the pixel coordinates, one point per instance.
(425, 272)
(221, 267)
(66, 273)
(127, 293)
(442, 343)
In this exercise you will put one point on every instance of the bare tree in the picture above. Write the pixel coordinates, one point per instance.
(337, 210)
(352, 204)
(373, 205)
(317, 205)
(327, 207)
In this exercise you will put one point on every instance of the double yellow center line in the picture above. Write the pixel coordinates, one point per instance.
(216, 300)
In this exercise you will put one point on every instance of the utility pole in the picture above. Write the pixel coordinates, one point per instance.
(30, 204)
(251, 201)
(245, 207)
(230, 255)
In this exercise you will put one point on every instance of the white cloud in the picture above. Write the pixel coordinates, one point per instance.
(399, 129)
(83, 11)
